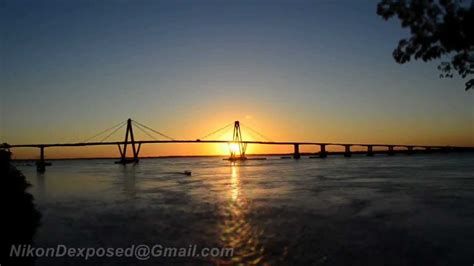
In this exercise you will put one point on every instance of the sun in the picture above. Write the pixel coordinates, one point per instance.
(234, 147)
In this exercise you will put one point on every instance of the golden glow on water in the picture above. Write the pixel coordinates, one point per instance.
(237, 229)
(235, 184)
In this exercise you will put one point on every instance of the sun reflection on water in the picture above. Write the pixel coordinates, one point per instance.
(237, 229)
(235, 183)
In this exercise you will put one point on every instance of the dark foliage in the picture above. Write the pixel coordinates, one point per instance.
(438, 29)
(19, 216)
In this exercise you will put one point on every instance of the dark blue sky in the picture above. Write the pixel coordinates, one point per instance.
(323, 68)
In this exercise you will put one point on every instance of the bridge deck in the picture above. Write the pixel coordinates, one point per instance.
(81, 144)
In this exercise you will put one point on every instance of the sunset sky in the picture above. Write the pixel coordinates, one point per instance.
(293, 70)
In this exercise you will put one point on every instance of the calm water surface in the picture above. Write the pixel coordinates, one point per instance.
(399, 210)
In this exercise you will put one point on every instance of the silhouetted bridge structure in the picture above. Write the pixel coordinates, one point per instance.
(237, 146)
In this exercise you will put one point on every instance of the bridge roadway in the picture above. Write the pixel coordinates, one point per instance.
(81, 144)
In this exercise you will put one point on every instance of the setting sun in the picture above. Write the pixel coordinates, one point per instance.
(234, 148)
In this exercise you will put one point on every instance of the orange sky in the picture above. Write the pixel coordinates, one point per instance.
(270, 127)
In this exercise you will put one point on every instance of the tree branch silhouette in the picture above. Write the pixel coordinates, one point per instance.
(438, 29)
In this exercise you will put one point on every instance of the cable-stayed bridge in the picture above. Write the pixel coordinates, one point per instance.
(237, 145)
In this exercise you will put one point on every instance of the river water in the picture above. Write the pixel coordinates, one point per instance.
(385, 210)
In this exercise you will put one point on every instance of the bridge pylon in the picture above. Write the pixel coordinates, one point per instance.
(135, 149)
(237, 148)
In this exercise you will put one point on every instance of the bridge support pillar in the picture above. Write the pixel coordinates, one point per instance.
(135, 156)
(409, 150)
(347, 151)
(323, 153)
(237, 154)
(41, 163)
(296, 154)
(428, 149)
(123, 153)
(370, 150)
(390, 151)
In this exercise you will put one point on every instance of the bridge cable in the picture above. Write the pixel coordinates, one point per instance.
(113, 132)
(223, 133)
(121, 124)
(143, 130)
(215, 131)
(151, 129)
(248, 133)
(256, 132)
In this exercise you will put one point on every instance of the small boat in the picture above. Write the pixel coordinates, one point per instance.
(185, 172)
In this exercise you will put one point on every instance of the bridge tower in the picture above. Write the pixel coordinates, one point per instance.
(135, 150)
(237, 147)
